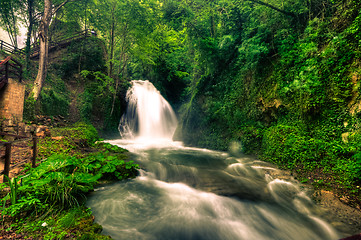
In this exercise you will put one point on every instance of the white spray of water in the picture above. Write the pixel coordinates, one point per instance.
(149, 115)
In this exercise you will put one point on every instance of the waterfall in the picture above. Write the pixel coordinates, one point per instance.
(148, 115)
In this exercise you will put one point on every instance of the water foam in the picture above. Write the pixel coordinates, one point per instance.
(149, 116)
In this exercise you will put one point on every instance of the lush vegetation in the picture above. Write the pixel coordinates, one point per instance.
(282, 78)
(48, 201)
(286, 87)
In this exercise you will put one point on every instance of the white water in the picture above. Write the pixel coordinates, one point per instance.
(190, 193)
(149, 115)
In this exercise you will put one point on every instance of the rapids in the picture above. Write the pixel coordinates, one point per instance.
(190, 193)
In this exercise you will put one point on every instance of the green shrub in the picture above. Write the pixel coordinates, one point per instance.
(54, 103)
(287, 146)
(62, 181)
(87, 54)
(29, 109)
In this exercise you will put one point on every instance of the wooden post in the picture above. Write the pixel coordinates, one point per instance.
(7, 161)
(35, 152)
(7, 70)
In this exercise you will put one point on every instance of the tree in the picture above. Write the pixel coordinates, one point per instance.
(43, 34)
(8, 18)
(31, 20)
(273, 7)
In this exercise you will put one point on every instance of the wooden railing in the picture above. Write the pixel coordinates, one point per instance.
(8, 48)
(60, 41)
(10, 68)
(35, 48)
(8, 147)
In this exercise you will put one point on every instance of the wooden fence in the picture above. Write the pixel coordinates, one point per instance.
(35, 48)
(8, 148)
(60, 42)
(8, 48)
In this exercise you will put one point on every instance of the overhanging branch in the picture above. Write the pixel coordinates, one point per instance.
(60, 6)
(273, 7)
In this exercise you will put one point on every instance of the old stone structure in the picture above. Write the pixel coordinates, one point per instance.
(12, 101)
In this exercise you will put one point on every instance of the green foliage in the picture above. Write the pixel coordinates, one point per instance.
(96, 102)
(356, 168)
(286, 88)
(111, 148)
(48, 202)
(81, 135)
(287, 146)
(74, 223)
(29, 109)
(98, 93)
(86, 54)
(62, 181)
(86, 133)
(63, 29)
(54, 103)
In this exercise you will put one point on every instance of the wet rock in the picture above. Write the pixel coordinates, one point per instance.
(344, 218)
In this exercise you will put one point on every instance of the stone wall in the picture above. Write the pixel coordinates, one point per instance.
(9, 126)
(12, 100)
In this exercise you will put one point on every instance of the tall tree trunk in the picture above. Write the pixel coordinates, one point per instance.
(15, 29)
(43, 35)
(122, 64)
(30, 4)
(112, 36)
(44, 42)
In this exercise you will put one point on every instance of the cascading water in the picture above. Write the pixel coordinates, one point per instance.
(148, 115)
(190, 193)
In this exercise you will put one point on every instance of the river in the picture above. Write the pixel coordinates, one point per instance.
(185, 193)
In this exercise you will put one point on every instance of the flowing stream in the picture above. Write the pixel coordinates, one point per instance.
(191, 193)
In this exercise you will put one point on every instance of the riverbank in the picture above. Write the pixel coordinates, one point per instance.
(341, 211)
(48, 202)
(337, 205)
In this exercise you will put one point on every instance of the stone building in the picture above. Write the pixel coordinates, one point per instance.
(12, 100)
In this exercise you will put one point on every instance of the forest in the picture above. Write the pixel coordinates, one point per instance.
(280, 79)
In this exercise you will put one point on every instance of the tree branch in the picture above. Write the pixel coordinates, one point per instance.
(273, 7)
(60, 6)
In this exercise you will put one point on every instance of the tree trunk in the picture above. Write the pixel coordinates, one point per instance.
(112, 36)
(30, 4)
(44, 42)
(123, 59)
(15, 30)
